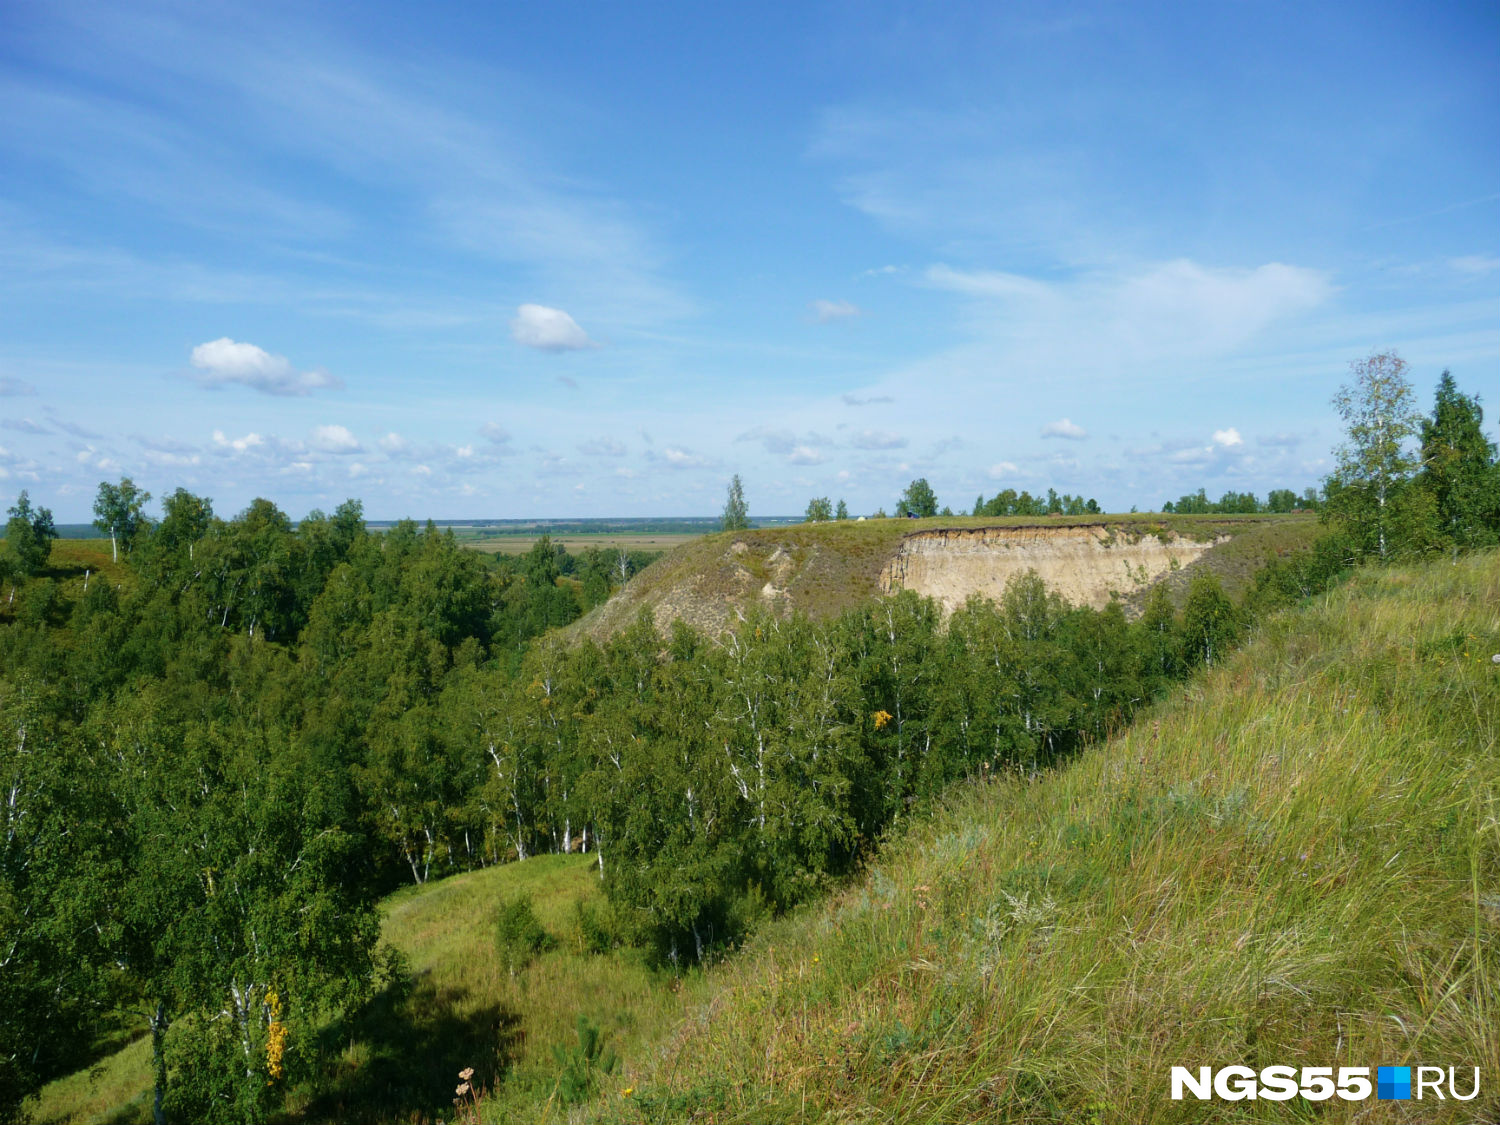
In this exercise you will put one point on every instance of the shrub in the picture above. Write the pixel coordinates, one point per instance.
(519, 936)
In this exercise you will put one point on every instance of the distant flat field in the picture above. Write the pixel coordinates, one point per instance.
(520, 544)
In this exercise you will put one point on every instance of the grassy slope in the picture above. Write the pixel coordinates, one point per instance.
(1294, 860)
(400, 1060)
(835, 566)
(71, 562)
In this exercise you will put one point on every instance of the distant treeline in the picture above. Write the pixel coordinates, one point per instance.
(1280, 500)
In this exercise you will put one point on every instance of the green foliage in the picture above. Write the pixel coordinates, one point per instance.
(736, 513)
(1368, 491)
(1210, 623)
(1279, 500)
(819, 510)
(584, 1066)
(519, 936)
(918, 500)
(118, 513)
(842, 511)
(1459, 469)
(28, 537)
(1008, 502)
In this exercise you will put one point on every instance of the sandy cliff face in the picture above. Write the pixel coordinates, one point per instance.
(1086, 565)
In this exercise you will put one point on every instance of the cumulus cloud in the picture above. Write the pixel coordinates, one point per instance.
(1001, 469)
(335, 439)
(826, 312)
(224, 361)
(15, 388)
(877, 439)
(394, 444)
(238, 445)
(1228, 438)
(1064, 428)
(549, 330)
(805, 455)
(867, 400)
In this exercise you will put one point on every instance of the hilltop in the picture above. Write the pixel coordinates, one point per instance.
(825, 568)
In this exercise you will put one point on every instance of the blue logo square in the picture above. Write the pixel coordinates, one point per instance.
(1393, 1083)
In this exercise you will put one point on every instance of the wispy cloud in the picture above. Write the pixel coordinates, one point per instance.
(877, 439)
(15, 388)
(826, 312)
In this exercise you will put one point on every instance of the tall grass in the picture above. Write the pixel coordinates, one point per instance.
(1294, 860)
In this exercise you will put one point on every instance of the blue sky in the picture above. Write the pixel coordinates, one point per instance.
(586, 260)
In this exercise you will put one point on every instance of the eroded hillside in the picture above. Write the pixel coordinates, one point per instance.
(822, 569)
(1086, 565)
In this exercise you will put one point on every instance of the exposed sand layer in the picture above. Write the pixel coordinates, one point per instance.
(1086, 565)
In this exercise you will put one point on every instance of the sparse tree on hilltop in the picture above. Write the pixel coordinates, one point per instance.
(28, 536)
(918, 500)
(819, 510)
(1373, 465)
(117, 510)
(842, 511)
(736, 514)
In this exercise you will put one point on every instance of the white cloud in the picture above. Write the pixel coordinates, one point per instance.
(239, 445)
(826, 312)
(1064, 428)
(23, 425)
(1228, 438)
(806, 455)
(394, 444)
(682, 458)
(550, 330)
(877, 439)
(1002, 469)
(867, 400)
(495, 434)
(224, 361)
(15, 388)
(335, 439)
